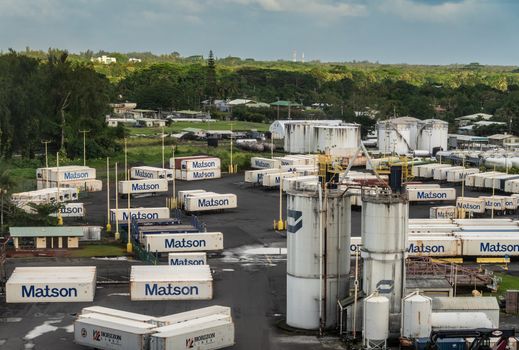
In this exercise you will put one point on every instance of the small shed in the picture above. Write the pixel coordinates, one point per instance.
(487, 305)
(431, 287)
(49, 237)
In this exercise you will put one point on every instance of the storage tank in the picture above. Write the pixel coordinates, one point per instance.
(432, 133)
(299, 137)
(307, 232)
(384, 236)
(397, 135)
(416, 316)
(376, 321)
(340, 140)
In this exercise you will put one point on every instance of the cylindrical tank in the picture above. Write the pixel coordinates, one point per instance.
(299, 137)
(304, 256)
(416, 316)
(384, 238)
(340, 140)
(397, 135)
(460, 320)
(376, 320)
(432, 133)
(498, 162)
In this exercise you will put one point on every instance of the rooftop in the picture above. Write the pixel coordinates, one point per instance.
(285, 104)
(47, 231)
(476, 116)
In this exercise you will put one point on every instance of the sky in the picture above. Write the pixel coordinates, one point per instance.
(385, 31)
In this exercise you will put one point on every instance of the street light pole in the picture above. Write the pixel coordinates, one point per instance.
(126, 159)
(117, 234)
(84, 132)
(108, 226)
(45, 142)
(163, 165)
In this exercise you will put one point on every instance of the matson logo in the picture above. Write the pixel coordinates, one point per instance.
(186, 261)
(262, 163)
(143, 173)
(422, 248)
(48, 292)
(75, 175)
(156, 290)
(203, 174)
(71, 210)
(204, 203)
(498, 248)
(203, 164)
(469, 206)
(140, 216)
(184, 243)
(430, 195)
(137, 187)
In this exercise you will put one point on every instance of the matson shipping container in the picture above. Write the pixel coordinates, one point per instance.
(89, 185)
(497, 203)
(143, 186)
(150, 173)
(175, 163)
(274, 179)
(446, 212)
(433, 246)
(479, 179)
(203, 174)
(431, 194)
(183, 259)
(51, 284)
(420, 186)
(211, 332)
(460, 174)
(183, 242)
(490, 245)
(426, 171)
(163, 282)
(140, 214)
(264, 163)
(66, 174)
(181, 196)
(210, 201)
(194, 314)
(510, 202)
(256, 176)
(71, 210)
(440, 174)
(200, 164)
(512, 186)
(471, 204)
(105, 332)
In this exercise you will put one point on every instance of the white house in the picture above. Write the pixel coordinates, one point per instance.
(104, 59)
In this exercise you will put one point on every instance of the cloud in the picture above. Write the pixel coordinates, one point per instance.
(428, 10)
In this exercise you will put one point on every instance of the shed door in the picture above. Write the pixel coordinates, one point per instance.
(64, 241)
(55, 242)
(49, 242)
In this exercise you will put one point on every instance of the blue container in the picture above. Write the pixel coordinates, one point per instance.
(421, 343)
(451, 344)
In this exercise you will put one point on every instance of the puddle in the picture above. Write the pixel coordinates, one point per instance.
(228, 270)
(10, 319)
(69, 328)
(255, 255)
(46, 327)
(266, 251)
(119, 294)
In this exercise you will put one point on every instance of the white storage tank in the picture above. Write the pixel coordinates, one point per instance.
(340, 140)
(416, 316)
(397, 135)
(376, 321)
(299, 137)
(432, 133)
(304, 287)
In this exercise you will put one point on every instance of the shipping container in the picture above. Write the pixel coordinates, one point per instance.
(183, 242)
(193, 175)
(491, 246)
(175, 163)
(431, 194)
(289, 160)
(89, 185)
(212, 332)
(71, 210)
(143, 186)
(179, 259)
(460, 174)
(274, 179)
(205, 202)
(479, 179)
(150, 173)
(440, 174)
(446, 212)
(512, 186)
(68, 174)
(200, 164)
(194, 314)
(183, 194)
(164, 282)
(493, 202)
(119, 314)
(139, 213)
(510, 202)
(111, 333)
(51, 284)
(498, 182)
(471, 204)
(292, 183)
(411, 186)
(426, 171)
(433, 246)
(264, 163)
(143, 231)
(256, 176)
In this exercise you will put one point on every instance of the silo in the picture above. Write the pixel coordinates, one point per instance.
(318, 255)
(416, 316)
(340, 140)
(376, 321)
(432, 133)
(384, 236)
(299, 137)
(397, 135)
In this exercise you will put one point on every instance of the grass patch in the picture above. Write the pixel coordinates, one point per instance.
(94, 250)
(508, 282)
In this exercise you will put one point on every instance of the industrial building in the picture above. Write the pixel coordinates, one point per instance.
(406, 135)
(277, 128)
(47, 237)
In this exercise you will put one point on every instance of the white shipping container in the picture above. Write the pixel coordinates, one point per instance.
(292, 160)
(163, 282)
(264, 163)
(496, 202)
(64, 175)
(256, 176)
(210, 201)
(181, 197)
(433, 246)
(111, 333)
(143, 186)
(194, 314)
(290, 183)
(431, 194)
(426, 171)
(184, 242)
(201, 164)
(491, 245)
(511, 186)
(479, 179)
(510, 202)
(101, 310)
(446, 212)
(140, 213)
(274, 179)
(213, 334)
(204, 174)
(459, 175)
(51, 284)
(183, 259)
(440, 174)
(420, 186)
(471, 204)
(151, 173)
(71, 210)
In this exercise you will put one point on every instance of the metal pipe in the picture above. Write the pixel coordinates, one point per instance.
(320, 191)
(117, 235)
(325, 251)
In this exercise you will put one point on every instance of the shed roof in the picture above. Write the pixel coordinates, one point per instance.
(285, 104)
(47, 231)
(465, 303)
(500, 136)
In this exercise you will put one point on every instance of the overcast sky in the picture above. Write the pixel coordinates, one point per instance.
(388, 31)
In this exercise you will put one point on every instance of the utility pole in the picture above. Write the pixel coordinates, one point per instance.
(117, 234)
(126, 159)
(60, 218)
(129, 247)
(84, 132)
(108, 226)
(173, 204)
(163, 165)
(46, 142)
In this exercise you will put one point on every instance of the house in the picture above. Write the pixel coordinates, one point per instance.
(104, 59)
(286, 104)
(188, 114)
(220, 105)
(504, 140)
(456, 141)
(48, 237)
(122, 108)
(114, 122)
(134, 60)
(469, 129)
(470, 119)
